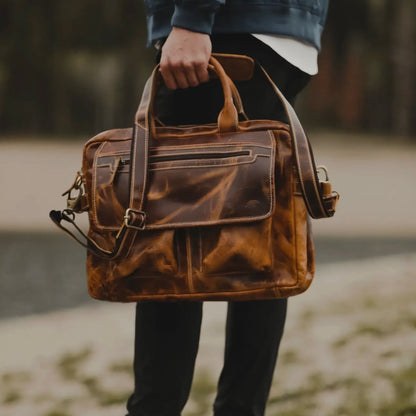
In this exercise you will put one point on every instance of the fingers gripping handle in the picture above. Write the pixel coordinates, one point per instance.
(227, 118)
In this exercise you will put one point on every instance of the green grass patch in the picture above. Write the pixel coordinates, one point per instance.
(289, 357)
(121, 367)
(16, 377)
(103, 396)
(203, 390)
(365, 330)
(69, 364)
(404, 385)
(11, 397)
(56, 413)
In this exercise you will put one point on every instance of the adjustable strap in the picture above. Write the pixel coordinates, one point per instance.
(68, 215)
(318, 205)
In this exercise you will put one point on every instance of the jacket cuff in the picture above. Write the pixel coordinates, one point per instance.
(195, 17)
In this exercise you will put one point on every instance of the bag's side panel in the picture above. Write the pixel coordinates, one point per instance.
(293, 251)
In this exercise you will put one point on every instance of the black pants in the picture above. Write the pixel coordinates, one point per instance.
(167, 334)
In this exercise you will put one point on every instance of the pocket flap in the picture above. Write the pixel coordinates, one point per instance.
(206, 182)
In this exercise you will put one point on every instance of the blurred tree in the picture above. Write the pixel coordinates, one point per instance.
(72, 67)
(403, 56)
(367, 67)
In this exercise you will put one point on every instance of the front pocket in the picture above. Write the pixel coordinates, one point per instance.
(153, 253)
(110, 190)
(237, 249)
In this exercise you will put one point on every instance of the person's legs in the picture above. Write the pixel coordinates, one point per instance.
(166, 345)
(254, 329)
(253, 334)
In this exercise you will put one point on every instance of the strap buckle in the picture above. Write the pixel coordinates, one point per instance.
(74, 203)
(133, 215)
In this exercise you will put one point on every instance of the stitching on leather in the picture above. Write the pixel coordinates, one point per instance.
(206, 164)
(94, 184)
(189, 274)
(200, 250)
(115, 153)
(295, 248)
(179, 264)
(268, 289)
(243, 145)
(133, 168)
(272, 169)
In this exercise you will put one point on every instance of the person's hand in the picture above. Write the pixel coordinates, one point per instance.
(184, 59)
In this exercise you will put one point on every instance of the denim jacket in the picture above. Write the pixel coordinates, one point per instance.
(300, 19)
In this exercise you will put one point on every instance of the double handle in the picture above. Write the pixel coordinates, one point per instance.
(227, 118)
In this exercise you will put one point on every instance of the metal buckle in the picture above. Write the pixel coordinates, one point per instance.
(77, 185)
(127, 219)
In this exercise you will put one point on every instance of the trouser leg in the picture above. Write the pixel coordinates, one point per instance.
(253, 333)
(254, 329)
(166, 345)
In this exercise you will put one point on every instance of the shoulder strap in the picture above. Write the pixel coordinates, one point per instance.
(315, 201)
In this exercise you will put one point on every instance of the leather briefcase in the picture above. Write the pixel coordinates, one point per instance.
(201, 212)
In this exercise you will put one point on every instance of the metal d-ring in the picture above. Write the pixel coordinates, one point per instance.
(322, 168)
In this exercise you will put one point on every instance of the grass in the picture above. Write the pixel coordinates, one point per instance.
(103, 396)
(12, 384)
(202, 394)
(289, 357)
(70, 368)
(124, 366)
(403, 382)
(16, 377)
(69, 364)
(365, 330)
(56, 413)
(12, 396)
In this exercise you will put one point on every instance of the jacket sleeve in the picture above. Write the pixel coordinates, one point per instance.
(196, 15)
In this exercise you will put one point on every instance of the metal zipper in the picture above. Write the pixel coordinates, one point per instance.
(206, 155)
(125, 159)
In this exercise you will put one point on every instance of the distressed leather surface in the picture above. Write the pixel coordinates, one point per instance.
(225, 219)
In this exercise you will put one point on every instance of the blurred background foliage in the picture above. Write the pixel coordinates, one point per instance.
(78, 67)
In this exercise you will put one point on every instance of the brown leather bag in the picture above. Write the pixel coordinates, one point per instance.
(202, 212)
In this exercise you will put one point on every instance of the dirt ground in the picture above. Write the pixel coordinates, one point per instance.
(350, 341)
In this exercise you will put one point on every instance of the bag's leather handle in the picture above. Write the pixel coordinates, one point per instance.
(227, 118)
